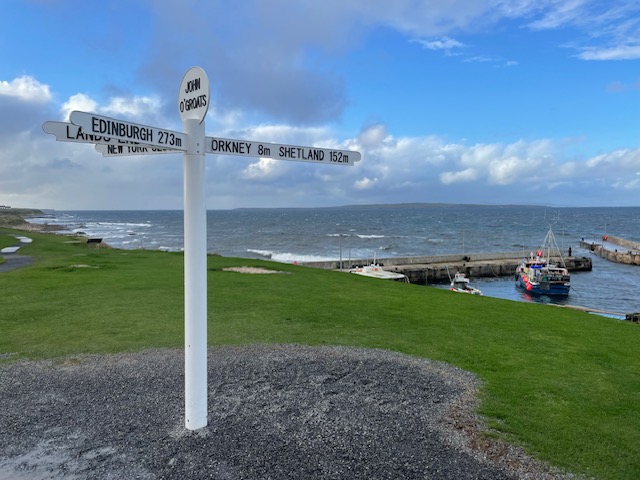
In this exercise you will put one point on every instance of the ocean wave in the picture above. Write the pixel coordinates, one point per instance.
(119, 225)
(286, 257)
(359, 235)
(262, 253)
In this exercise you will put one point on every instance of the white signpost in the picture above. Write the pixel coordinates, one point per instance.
(247, 148)
(193, 103)
(129, 149)
(244, 148)
(131, 132)
(68, 132)
(118, 137)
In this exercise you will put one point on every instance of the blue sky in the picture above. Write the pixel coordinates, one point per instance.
(461, 101)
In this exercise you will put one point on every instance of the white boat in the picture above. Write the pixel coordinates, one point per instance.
(376, 271)
(462, 284)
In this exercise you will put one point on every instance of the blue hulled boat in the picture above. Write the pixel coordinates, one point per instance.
(536, 276)
(539, 277)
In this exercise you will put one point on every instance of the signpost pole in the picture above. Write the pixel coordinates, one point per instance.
(195, 277)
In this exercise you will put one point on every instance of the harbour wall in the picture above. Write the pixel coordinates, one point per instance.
(615, 249)
(439, 269)
(623, 243)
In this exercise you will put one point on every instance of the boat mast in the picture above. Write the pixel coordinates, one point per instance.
(551, 244)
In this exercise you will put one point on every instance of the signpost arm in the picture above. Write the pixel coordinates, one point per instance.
(195, 277)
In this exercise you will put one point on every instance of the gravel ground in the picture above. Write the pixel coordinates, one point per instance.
(275, 412)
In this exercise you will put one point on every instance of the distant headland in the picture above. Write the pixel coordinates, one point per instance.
(16, 218)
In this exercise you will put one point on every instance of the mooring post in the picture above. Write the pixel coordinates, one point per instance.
(195, 277)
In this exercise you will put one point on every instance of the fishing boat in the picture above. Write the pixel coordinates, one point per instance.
(462, 284)
(537, 275)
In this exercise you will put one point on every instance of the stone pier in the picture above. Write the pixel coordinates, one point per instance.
(615, 249)
(439, 269)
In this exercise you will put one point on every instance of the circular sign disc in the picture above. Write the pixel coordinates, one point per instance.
(193, 97)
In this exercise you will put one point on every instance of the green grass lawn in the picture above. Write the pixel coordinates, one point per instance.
(562, 383)
(8, 241)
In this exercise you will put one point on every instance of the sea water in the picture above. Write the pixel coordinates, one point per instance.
(378, 232)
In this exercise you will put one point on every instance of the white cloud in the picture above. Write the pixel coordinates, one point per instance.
(418, 166)
(268, 87)
(270, 69)
(600, 30)
(559, 13)
(512, 169)
(442, 43)
(480, 155)
(26, 88)
(283, 134)
(411, 168)
(466, 175)
(365, 183)
(627, 184)
(263, 170)
(80, 102)
(491, 164)
(132, 107)
(128, 107)
(374, 137)
(480, 59)
(517, 8)
(627, 159)
(218, 120)
(568, 169)
(618, 52)
(428, 18)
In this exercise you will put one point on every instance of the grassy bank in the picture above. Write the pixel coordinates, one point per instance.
(565, 384)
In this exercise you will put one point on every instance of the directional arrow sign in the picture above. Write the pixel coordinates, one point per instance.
(68, 132)
(249, 148)
(132, 132)
(130, 149)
